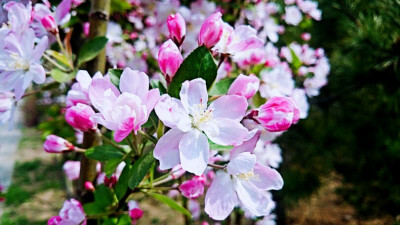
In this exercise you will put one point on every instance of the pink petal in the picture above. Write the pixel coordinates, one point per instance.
(152, 98)
(269, 179)
(242, 163)
(38, 73)
(103, 94)
(135, 82)
(40, 48)
(194, 94)
(247, 146)
(62, 10)
(221, 197)
(167, 149)
(172, 114)
(225, 132)
(194, 151)
(84, 79)
(229, 106)
(124, 129)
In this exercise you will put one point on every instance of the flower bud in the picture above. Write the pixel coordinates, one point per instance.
(278, 114)
(136, 213)
(306, 36)
(169, 59)
(192, 188)
(55, 144)
(79, 117)
(211, 30)
(177, 28)
(245, 86)
(50, 24)
(89, 186)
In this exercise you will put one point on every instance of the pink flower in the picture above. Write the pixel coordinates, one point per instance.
(245, 86)
(71, 214)
(192, 188)
(188, 118)
(50, 24)
(245, 183)
(79, 117)
(6, 106)
(134, 211)
(306, 36)
(56, 144)
(276, 82)
(72, 169)
(79, 92)
(19, 16)
(169, 59)
(293, 15)
(86, 27)
(177, 28)
(211, 30)
(126, 112)
(278, 114)
(89, 186)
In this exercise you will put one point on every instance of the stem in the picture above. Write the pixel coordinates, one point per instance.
(133, 146)
(54, 62)
(60, 44)
(112, 143)
(148, 137)
(216, 166)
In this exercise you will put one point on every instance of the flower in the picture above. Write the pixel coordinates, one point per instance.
(276, 82)
(193, 188)
(71, 214)
(56, 144)
(169, 59)
(20, 62)
(189, 117)
(211, 30)
(177, 28)
(293, 15)
(72, 169)
(19, 16)
(245, 86)
(124, 112)
(6, 106)
(278, 114)
(79, 117)
(244, 183)
(50, 24)
(79, 92)
(134, 211)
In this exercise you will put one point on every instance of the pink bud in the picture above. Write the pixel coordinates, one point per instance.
(55, 220)
(306, 36)
(78, 117)
(56, 144)
(89, 186)
(86, 27)
(136, 213)
(211, 30)
(72, 169)
(169, 59)
(278, 114)
(177, 28)
(50, 24)
(192, 189)
(245, 86)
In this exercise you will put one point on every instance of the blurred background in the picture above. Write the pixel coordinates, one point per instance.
(340, 165)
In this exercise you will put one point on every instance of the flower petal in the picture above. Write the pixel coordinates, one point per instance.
(38, 73)
(84, 79)
(172, 114)
(242, 163)
(225, 131)
(247, 146)
(194, 95)
(167, 149)
(229, 106)
(152, 99)
(135, 82)
(124, 129)
(221, 197)
(267, 178)
(103, 94)
(194, 151)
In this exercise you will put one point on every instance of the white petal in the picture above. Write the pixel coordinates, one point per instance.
(225, 131)
(194, 95)
(167, 149)
(242, 163)
(194, 151)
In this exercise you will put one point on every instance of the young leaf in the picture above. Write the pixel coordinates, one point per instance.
(61, 76)
(221, 87)
(91, 49)
(103, 153)
(199, 64)
(60, 57)
(171, 203)
(295, 60)
(140, 169)
(115, 75)
(123, 180)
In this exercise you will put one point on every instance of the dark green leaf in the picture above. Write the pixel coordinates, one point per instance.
(159, 85)
(199, 64)
(124, 220)
(115, 75)
(61, 76)
(103, 196)
(103, 153)
(140, 169)
(120, 6)
(110, 221)
(152, 121)
(111, 165)
(171, 203)
(123, 180)
(258, 100)
(93, 209)
(221, 87)
(91, 49)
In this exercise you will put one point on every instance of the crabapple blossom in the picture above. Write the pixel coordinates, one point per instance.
(276, 82)
(79, 92)
(50, 24)
(244, 183)
(169, 59)
(300, 98)
(193, 188)
(245, 86)
(211, 31)
(268, 154)
(71, 214)
(177, 28)
(19, 16)
(127, 111)
(72, 169)
(306, 36)
(293, 15)
(78, 117)
(194, 208)
(89, 186)
(189, 117)
(134, 211)
(6, 106)
(55, 144)
(278, 114)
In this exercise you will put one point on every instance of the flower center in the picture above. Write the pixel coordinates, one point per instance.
(201, 115)
(18, 62)
(247, 176)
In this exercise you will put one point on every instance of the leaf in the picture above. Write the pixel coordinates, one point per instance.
(93, 209)
(115, 75)
(103, 153)
(199, 64)
(59, 56)
(91, 49)
(171, 203)
(221, 87)
(159, 85)
(123, 180)
(120, 6)
(152, 121)
(111, 165)
(61, 76)
(140, 169)
(258, 100)
(214, 146)
(295, 60)
(103, 196)
(124, 220)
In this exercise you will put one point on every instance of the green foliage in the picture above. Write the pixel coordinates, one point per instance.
(221, 87)
(120, 6)
(199, 64)
(91, 49)
(171, 203)
(122, 185)
(140, 169)
(115, 75)
(62, 77)
(103, 198)
(103, 153)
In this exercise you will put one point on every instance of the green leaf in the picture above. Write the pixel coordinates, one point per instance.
(103, 196)
(122, 185)
(171, 203)
(295, 60)
(91, 49)
(103, 153)
(59, 56)
(61, 76)
(124, 220)
(159, 85)
(214, 146)
(258, 100)
(111, 165)
(93, 209)
(140, 169)
(221, 87)
(115, 75)
(199, 64)
(152, 121)
(120, 6)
